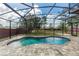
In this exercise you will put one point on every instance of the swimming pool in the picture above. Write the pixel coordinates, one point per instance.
(39, 40)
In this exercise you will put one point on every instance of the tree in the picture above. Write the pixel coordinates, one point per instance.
(63, 27)
(31, 22)
(43, 21)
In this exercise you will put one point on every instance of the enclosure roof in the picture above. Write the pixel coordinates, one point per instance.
(15, 11)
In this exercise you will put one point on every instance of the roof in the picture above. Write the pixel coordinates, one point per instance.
(15, 11)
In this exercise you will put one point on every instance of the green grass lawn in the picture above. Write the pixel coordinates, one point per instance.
(44, 33)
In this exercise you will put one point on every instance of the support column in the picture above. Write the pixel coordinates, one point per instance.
(71, 21)
(9, 29)
(53, 27)
(77, 29)
(72, 29)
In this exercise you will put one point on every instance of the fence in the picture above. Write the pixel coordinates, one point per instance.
(6, 32)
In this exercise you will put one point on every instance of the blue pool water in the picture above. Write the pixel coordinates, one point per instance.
(38, 40)
(48, 40)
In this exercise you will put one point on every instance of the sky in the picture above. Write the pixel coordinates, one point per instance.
(55, 10)
(17, 6)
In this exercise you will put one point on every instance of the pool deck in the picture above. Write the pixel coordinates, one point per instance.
(69, 49)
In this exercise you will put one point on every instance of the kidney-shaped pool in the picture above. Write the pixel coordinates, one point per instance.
(39, 40)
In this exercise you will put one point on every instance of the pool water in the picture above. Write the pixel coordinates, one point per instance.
(25, 41)
(48, 40)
